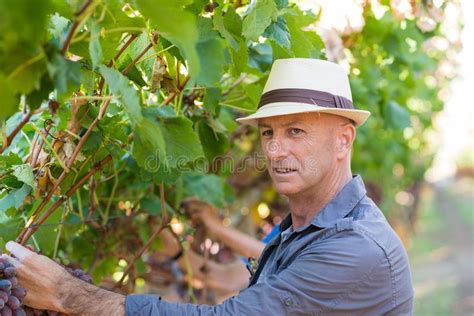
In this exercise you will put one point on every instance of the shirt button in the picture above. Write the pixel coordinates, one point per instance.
(288, 302)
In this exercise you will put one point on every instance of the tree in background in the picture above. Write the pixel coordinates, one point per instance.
(113, 112)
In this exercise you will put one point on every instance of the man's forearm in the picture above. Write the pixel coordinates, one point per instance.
(238, 241)
(80, 298)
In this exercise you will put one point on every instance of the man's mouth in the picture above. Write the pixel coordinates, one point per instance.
(283, 170)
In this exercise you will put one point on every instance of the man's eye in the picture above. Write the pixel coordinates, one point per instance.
(296, 131)
(267, 133)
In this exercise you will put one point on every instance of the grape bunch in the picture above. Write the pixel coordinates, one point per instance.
(11, 294)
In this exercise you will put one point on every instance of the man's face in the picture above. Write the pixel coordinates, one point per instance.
(300, 150)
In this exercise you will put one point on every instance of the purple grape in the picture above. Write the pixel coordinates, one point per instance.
(3, 296)
(86, 278)
(2, 266)
(2, 303)
(29, 311)
(13, 302)
(5, 285)
(78, 273)
(14, 282)
(19, 312)
(37, 311)
(6, 311)
(9, 272)
(19, 292)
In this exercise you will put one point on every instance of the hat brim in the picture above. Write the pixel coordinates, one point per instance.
(286, 108)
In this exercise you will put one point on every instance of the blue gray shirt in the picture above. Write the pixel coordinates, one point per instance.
(346, 261)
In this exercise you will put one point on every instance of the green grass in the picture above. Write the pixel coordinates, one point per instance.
(438, 301)
(429, 224)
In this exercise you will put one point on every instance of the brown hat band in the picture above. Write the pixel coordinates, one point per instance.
(315, 97)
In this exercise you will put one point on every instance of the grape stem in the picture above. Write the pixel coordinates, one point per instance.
(75, 25)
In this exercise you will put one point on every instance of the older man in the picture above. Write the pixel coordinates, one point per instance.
(335, 254)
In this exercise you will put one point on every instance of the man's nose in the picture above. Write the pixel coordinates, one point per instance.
(276, 149)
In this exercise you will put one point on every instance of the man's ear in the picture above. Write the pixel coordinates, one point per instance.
(345, 139)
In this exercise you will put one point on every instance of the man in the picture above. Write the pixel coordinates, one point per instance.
(335, 254)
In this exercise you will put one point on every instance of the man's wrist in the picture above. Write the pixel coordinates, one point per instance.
(80, 298)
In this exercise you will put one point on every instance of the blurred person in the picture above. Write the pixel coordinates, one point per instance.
(335, 253)
(224, 278)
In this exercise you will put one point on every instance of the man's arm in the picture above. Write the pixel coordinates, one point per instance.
(50, 287)
(238, 241)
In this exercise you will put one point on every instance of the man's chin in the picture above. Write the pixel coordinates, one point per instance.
(286, 189)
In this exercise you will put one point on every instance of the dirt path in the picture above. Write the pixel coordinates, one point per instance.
(442, 252)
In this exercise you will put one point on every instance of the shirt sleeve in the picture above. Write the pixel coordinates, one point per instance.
(345, 275)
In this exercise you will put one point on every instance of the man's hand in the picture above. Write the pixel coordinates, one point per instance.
(50, 287)
(40, 276)
(201, 212)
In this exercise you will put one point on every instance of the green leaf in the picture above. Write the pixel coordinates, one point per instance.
(48, 231)
(211, 54)
(211, 100)
(149, 146)
(123, 91)
(218, 21)
(65, 74)
(7, 161)
(240, 58)
(304, 44)
(261, 13)
(14, 199)
(215, 144)
(182, 143)
(152, 204)
(206, 187)
(24, 173)
(278, 31)
(9, 101)
(95, 50)
(177, 25)
(397, 116)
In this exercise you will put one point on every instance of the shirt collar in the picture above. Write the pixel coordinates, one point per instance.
(341, 205)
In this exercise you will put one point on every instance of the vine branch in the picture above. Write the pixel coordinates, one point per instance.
(74, 26)
(163, 225)
(33, 227)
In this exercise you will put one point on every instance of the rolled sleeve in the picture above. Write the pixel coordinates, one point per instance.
(346, 274)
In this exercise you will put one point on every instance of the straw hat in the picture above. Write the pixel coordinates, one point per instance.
(300, 85)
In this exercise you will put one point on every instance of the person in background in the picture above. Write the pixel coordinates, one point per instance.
(225, 278)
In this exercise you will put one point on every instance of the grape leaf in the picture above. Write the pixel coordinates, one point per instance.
(24, 173)
(65, 74)
(177, 25)
(95, 50)
(206, 187)
(124, 92)
(261, 13)
(215, 144)
(218, 21)
(396, 116)
(182, 143)
(278, 31)
(211, 54)
(149, 148)
(9, 101)
(15, 198)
